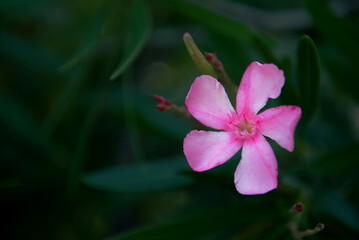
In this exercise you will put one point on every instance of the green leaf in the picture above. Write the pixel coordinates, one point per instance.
(16, 120)
(339, 31)
(130, 110)
(329, 165)
(225, 25)
(234, 59)
(165, 125)
(26, 55)
(63, 102)
(308, 70)
(11, 183)
(9, 7)
(344, 36)
(202, 224)
(263, 229)
(87, 45)
(342, 71)
(84, 138)
(338, 207)
(154, 176)
(139, 32)
(289, 94)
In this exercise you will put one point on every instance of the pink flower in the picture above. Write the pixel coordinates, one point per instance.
(207, 101)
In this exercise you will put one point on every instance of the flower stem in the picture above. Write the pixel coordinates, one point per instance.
(309, 232)
(166, 105)
(224, 78)
(222, 75)
(293, 223)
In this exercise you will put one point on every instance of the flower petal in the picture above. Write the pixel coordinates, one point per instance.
(259, 82)
(257, 171)
(279, 124)
(205, 150)
(208, 102)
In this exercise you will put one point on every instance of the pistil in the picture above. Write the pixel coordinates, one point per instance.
(245, 129)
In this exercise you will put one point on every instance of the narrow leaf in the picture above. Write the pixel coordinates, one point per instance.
(63, 102)
(342, 33)
(130, 110)
(338, 207)
(82, 144)
(201, 224)
(168, 126)
(344, 36)
(138, 34)
(13, 7)
(342, 71)
(153, 176)
(328, 165)
(225, 25)
(16, 120)
(27, 56)
(87, 45)
(11, 183)
(308, 70)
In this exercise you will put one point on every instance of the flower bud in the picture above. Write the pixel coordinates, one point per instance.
(298, 207)
(163, 103)
(203, 65)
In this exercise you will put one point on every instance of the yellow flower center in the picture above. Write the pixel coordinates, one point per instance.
(245, 128)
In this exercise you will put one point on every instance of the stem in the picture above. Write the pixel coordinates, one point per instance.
(182, 111)
(309, 232)
(222, 75)
(293, 223)
(224, 78)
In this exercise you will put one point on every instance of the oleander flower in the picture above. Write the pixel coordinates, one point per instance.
(208, 102)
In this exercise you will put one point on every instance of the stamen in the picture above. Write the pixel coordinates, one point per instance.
(244, 129)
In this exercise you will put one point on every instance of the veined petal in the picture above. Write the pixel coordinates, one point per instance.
(257, 171)
(279, 124)
(259, 82)
(205, 150)
(208, 102)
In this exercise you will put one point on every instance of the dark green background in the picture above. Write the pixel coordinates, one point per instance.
(84, 157)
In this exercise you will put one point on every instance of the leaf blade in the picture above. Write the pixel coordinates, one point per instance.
(196, 225)
(334, 204)
(18, 121)
(308, 70)
(155, 176)
(225, 25)
(343, 35)
(87, 45)
(139, 34)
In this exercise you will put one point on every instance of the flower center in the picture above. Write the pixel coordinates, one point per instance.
(245, 129)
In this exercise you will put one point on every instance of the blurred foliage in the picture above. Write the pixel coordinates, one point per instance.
(308, 76)
(83, 157)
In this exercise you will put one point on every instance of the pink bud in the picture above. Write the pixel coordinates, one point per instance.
(163, 103)
(161, 107)
(298, 207)
(218, 65)
(210, 56)
(159, 99)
